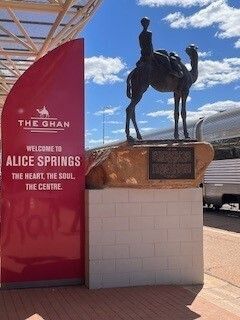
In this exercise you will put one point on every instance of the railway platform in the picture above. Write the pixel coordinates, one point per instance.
(144, 303)
(217, 299)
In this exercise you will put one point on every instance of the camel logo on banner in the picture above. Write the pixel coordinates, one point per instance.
(43, 123)
(43, 113)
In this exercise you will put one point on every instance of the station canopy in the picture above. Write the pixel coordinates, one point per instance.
(29, 29)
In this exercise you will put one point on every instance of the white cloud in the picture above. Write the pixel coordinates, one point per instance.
(143, 121)
(216, 13)
(171, 100)
(108, 111)
(100, 141)
(237, 44)
(212, 73)
(204, 111)
(237, 88)
(212, 108)
(126, 73)
(220, 106)
(182, 3)
(123, 130)
(160, 113)
(146, 129)
(132, 131)
(113, 122)
(204, 54)
(103, 70)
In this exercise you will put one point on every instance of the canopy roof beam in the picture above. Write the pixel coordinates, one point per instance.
(30, 6)
(31, 28)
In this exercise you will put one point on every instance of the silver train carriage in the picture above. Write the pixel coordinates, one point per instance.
(221, 184)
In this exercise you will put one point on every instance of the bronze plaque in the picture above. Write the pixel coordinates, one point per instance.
(171, 163)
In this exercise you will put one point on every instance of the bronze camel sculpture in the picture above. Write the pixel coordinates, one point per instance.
(156, 75)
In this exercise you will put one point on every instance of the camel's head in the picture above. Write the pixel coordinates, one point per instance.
(191, 50)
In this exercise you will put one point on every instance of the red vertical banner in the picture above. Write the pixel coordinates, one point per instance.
(42, 200)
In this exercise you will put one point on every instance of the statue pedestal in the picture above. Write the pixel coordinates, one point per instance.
(144, 237)
(163, 166)
(145, 227)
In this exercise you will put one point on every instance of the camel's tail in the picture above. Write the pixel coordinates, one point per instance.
(129, 84)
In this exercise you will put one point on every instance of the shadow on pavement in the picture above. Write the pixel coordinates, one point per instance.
(222, 219)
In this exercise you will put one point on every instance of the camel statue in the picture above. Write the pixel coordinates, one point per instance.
(155, 74)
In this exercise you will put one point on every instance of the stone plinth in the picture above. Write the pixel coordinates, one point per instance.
(128, 166)
(144, 237)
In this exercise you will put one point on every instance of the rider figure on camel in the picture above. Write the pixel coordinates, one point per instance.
(148, 54)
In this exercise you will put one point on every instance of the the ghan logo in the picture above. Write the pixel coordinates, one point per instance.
(43, 113)
(43, 123)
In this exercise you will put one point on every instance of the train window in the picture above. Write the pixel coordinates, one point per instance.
(237, 152)
(224, 153)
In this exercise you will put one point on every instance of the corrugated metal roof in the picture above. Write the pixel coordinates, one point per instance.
(223, 171)
(169, 133)
(223, 125)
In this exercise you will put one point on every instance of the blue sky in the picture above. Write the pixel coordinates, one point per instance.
(112, 49)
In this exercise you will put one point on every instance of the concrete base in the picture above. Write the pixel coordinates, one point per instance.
(144, 237)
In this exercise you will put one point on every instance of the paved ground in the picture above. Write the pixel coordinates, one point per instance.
(221, 260)
(222, 255)
(222, 248)
(79, 303)
(218, 299)
(220, 293)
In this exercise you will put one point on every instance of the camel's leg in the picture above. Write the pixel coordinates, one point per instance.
(139, 84)
(176, 114)
(184, 115)
(144, 88)
(135, 124)
(130, 115)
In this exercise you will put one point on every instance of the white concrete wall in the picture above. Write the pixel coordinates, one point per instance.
(143, 237)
